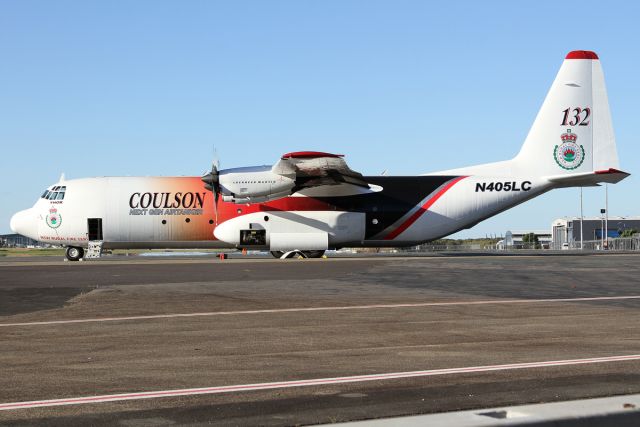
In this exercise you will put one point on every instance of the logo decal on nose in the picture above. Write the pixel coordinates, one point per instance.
(54, 219)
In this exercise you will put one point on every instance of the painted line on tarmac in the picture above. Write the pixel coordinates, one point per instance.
(306, 383)
(336, 308)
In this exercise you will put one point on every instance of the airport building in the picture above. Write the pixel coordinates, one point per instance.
(17, 241)
(566, 231)
(515, 240)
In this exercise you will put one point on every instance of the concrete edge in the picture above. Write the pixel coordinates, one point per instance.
(609, 411)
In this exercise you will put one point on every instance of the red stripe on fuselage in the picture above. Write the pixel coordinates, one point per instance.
(229, 210)
(413, 218)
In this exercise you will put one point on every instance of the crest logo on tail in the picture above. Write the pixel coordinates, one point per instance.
(569, 155)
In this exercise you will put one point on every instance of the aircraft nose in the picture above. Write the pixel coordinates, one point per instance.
(25, 223)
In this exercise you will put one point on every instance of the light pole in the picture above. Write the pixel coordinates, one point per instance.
(581, 222)
(602, 212)
(606, 213)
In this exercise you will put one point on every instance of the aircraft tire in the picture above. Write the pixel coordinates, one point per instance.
(277, 254)
(313, 254)
(74, 253)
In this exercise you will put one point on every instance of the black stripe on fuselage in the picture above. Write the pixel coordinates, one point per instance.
(399, 195)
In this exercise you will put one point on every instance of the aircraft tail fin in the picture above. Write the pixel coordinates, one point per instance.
(572, 133)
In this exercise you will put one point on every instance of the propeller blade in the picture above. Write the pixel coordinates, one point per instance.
(216, 196)
(215, 166)
(212, 182)
(210, 179)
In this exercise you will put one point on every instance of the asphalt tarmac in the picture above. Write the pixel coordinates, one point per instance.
(268, 342)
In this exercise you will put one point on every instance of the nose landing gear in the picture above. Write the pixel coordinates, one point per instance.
(74, 253)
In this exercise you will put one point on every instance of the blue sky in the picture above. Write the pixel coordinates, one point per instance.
(149, 87)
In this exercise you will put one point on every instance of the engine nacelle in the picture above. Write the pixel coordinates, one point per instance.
(257, 199)
(254, 185)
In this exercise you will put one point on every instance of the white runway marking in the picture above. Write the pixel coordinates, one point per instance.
(302, 309)
(305, 383)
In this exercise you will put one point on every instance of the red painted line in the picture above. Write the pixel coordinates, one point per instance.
(310, 382)
(608, 171)
(413, 218)
(336, 308)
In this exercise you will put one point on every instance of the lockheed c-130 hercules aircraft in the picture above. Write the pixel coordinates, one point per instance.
(312, 201)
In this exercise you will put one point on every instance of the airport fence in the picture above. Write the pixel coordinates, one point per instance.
(615, 244)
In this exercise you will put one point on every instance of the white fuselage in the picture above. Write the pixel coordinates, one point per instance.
(174, 212)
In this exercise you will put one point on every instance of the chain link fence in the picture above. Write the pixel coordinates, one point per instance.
(615, 244)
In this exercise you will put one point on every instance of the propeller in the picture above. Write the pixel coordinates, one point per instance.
(212, 182)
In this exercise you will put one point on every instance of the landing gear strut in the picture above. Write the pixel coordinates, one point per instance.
(74, 253)
(306, 254)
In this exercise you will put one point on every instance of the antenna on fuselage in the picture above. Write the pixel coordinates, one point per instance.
(61, 177)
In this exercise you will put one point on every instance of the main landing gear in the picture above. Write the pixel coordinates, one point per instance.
(306, 254)
(74, 253)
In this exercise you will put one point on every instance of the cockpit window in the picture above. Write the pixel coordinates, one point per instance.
(56, 193)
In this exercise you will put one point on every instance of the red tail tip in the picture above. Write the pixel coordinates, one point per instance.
(582, 54)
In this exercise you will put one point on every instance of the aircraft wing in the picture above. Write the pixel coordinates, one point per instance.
(314, 169)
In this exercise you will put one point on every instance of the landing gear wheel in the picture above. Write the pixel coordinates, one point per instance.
(74, 253)
(305, 254)
(313, 254)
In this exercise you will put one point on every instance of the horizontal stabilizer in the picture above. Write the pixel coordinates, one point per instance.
(589, 179)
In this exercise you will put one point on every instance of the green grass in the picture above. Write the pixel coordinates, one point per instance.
(483, 242)
(140, 251)
(31, 252)
(25, 252)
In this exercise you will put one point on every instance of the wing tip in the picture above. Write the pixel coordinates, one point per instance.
(582, 54)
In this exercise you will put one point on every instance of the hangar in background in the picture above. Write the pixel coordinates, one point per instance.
(515, 240)
(17, 241)
(566, 231)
